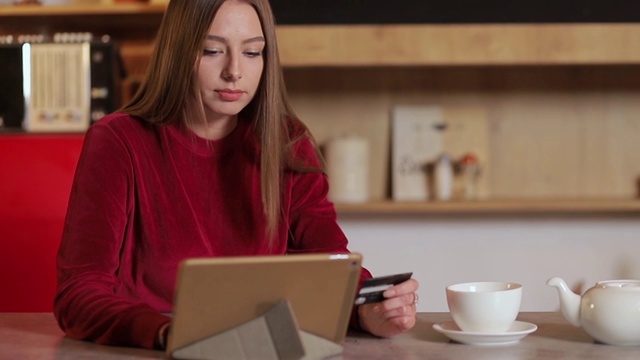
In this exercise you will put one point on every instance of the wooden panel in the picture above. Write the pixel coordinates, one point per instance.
(536, 145)
(370, 45)
(136, 55)
(611, 147)
(567, 132)
(499, 44)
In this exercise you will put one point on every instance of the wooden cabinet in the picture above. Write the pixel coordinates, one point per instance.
(556, 107)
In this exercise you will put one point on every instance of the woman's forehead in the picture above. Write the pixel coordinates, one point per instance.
(236, 19)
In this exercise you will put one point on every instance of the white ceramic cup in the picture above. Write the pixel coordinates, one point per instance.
(484, 307)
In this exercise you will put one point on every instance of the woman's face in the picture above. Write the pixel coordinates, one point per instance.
(232, 60)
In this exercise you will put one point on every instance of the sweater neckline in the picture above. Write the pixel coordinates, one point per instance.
(205, 147)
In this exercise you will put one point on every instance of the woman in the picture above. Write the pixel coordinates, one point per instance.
(208, 159)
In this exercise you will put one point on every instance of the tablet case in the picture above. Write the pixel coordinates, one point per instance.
(266, 307)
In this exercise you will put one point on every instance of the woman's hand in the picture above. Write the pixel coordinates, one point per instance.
(393, 316)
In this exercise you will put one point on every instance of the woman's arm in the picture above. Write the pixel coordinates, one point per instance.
(314, 228)
(87, 305)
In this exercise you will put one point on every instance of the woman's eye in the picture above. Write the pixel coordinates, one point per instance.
(211, 52)
(253, 53)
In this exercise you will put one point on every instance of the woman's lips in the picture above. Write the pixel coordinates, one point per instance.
(230, 95)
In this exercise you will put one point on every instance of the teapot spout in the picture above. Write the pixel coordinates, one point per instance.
(569, 301)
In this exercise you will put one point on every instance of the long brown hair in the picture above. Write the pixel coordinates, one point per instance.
(169, 92)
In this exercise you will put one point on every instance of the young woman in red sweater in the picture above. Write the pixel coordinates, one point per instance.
(208, 159)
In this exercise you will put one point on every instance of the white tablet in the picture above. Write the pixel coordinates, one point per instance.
(217, 294)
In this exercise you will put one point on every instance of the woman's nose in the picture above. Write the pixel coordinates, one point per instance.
(232, 70)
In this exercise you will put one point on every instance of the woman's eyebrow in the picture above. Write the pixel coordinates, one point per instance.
(249, 40)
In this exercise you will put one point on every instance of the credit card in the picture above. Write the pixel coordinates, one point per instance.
(372, 289)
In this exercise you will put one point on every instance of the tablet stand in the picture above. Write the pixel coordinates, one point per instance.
(272, 336)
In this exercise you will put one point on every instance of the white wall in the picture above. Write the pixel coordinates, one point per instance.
(524, 249)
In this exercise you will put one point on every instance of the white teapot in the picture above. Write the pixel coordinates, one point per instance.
(609, 311)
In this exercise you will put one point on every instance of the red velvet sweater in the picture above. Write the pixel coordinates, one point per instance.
(146, 197)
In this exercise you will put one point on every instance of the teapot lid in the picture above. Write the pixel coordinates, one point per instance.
(619, 284)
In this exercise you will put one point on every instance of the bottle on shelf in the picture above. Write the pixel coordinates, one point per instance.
(443, 178)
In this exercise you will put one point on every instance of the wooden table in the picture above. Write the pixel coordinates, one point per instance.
(36, 336)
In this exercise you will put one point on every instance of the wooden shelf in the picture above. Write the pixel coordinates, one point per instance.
(126, 23)
(352, 64)
(596, 206)
(469, 45)
(132, 25)
(77, 10)
(383, 45)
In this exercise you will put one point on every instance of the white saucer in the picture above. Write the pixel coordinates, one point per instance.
(518, 330)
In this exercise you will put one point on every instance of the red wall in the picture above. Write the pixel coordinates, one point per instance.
(36, 172)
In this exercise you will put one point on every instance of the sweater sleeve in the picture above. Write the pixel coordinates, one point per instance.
(87, 304)
(312, 218)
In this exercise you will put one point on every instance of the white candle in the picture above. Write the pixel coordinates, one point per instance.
(347, 160)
